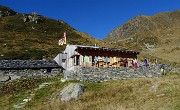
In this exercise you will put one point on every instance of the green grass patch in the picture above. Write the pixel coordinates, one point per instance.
(20, 85)
(92, 86)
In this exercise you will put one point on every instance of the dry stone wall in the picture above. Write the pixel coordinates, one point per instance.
(106, 74)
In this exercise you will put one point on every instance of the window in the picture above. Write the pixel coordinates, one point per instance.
(63, 60)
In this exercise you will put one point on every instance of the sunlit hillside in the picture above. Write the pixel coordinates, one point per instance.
(36, 40)
(155, 36)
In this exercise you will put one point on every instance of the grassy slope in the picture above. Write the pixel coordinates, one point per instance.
(130, 94)
(168, 47)
(19, 40)
(160, 30)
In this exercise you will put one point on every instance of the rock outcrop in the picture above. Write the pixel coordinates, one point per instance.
(5, 11)
(4, 78)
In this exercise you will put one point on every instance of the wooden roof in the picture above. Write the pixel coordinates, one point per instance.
(86, 48)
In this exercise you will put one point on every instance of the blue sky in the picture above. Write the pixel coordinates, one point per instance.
(95, 17)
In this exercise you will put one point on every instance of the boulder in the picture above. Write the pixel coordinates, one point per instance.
(14, 77)
(5, 78)
(72, 91)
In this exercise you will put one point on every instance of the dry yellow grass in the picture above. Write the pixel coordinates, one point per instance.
(131, 94)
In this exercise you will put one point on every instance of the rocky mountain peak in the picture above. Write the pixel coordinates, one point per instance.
(5, 11)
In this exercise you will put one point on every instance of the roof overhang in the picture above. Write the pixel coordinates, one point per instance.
(79, 48)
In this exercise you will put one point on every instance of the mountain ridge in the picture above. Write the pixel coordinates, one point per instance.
(155, 36)
(33, 36)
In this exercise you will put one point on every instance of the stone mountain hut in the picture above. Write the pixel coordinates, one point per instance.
(76, 56)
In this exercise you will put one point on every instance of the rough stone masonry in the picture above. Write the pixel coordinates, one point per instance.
(105, 74)
(90, 74)
(16, 69)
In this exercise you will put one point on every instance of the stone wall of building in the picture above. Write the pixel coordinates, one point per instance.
(90, 74)
(93, 74)
(6, 75)
(16, 69)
